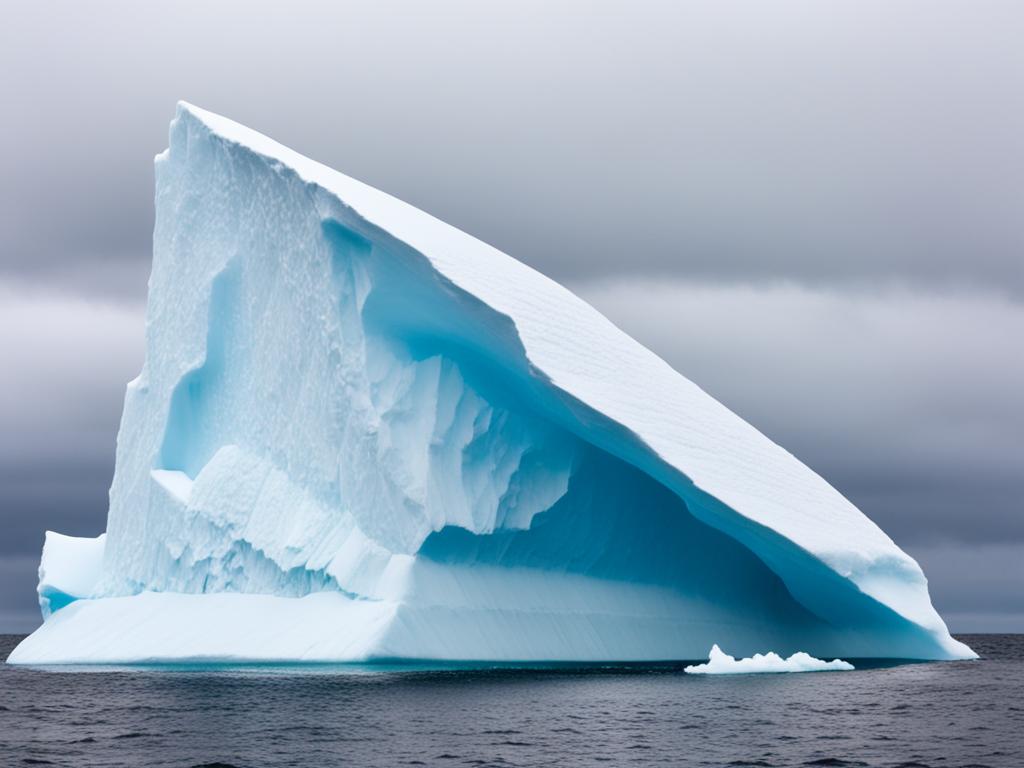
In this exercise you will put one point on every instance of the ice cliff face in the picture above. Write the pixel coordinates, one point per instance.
(360, 433)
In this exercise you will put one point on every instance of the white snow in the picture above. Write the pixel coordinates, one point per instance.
(721, 663)
(348, 402)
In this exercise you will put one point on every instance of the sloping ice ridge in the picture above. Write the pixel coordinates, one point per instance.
(361, 434)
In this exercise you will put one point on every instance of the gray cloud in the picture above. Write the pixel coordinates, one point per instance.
(857, 142)
(19, 609)
(976, 589)
(66, 361)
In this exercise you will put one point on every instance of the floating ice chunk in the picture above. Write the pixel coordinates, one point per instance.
(721, 663)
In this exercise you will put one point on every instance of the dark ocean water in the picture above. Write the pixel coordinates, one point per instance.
(910, 715)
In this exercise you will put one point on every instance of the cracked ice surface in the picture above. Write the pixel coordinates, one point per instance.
(360, 433)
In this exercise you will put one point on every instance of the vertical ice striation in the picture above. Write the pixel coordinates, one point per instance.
(360, 433)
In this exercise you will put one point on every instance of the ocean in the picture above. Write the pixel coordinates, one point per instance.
(893, 715)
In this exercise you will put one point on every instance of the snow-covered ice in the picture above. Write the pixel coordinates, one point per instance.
(721, 663)
(360, 433)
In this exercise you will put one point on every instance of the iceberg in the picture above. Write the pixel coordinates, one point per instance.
(362, 434)
(721, 663)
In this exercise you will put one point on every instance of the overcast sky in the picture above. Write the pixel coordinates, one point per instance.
(813, 210)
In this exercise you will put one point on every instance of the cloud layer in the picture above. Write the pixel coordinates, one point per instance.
(858, 141)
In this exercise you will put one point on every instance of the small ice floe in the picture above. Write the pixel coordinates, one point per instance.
(721, 663)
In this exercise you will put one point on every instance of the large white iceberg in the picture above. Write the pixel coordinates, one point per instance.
(362, 434)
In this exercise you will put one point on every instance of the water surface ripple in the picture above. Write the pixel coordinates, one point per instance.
(906, 716)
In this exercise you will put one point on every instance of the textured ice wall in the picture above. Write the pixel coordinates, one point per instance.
(345, 397)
